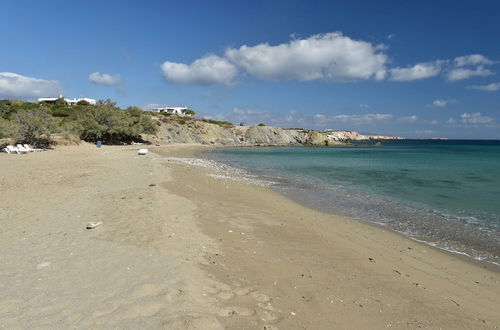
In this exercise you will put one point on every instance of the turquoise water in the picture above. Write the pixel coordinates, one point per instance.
(446, 193)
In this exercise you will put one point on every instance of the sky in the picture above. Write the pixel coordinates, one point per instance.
(417, 69)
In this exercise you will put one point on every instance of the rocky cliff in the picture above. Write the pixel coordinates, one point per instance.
(190, 130)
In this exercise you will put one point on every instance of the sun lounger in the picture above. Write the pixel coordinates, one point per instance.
(21, 148)
(143, 151)
(6, 150)
(15, 150)
(29, 148)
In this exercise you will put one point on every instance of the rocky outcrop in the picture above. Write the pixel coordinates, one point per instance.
(201, 132)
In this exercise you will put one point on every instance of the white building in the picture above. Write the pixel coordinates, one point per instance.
(181, 111)
(68, 101)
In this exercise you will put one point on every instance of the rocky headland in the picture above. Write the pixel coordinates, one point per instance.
(198, 131)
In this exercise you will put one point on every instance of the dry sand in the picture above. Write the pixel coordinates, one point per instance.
(181, 250)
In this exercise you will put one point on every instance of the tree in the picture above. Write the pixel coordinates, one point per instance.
(191, 112)
(106, 103)
(33, 124)
(82, 102)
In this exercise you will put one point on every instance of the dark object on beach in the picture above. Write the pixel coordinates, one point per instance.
(98, 144)
(371, 259)
(92, 225)
(152, 185)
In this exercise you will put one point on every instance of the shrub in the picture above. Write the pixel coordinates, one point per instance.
(34, 124)
(8, 128)
(261, 124)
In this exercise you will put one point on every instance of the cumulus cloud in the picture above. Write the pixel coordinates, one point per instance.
(418, 71)
(409, 119)
(474, 59)
(330, 56)
(13, 85)
(442, 103)
(207, 70)
(104, 78)
(476, 119)
(493, 87)
(469, 66)
(465, 73)
(352, 119)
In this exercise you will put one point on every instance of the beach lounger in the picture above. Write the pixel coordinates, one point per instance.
(14, 150)
(6, 150)
(29, 148)
(21, 148)
(143, 151)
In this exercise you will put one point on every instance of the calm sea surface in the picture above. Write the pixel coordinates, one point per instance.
(445, 193)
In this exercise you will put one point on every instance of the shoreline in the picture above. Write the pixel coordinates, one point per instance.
(438, 267)
(296, 194)
(179, 249)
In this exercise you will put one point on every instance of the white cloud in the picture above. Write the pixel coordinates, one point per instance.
(104, 78)
(469, 66)
(493, 87)
(464, 73)
(248, 112)
(352, 119)
(442, 103)
(474, 59)
(424, 132)
(476, 119)
(207, 70)
(418, 71)
(364, 106)
(409, 119)
(13, 85)
(330, 56)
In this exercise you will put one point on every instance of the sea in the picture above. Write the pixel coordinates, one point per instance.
(445, 193)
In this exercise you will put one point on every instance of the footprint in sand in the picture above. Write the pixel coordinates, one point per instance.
(225, 295)
(243, 291)
(149, 289)
(235, 311)
(270, 327)
(260, 297)
(143, 310)
(268, 317)
(193, 323)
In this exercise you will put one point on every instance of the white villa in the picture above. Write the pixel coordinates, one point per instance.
(68, 101)
(181, 111)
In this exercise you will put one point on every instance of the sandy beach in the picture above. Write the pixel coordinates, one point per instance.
(179, 249)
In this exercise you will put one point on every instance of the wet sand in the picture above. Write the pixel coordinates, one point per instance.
(182, 250)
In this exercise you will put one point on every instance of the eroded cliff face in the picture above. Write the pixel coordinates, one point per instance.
(201, 132)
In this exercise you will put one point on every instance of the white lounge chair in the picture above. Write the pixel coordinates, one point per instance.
(21, 148)
(6, 150)
(15, 150)
(29, 148)
(143, 151)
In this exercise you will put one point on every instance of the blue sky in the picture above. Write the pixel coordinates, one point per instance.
(408, 68)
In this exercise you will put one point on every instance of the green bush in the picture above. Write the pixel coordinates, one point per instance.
(34, 124)
(29, 122)
(8, 128)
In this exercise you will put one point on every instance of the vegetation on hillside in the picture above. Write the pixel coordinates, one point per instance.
(36, 122)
